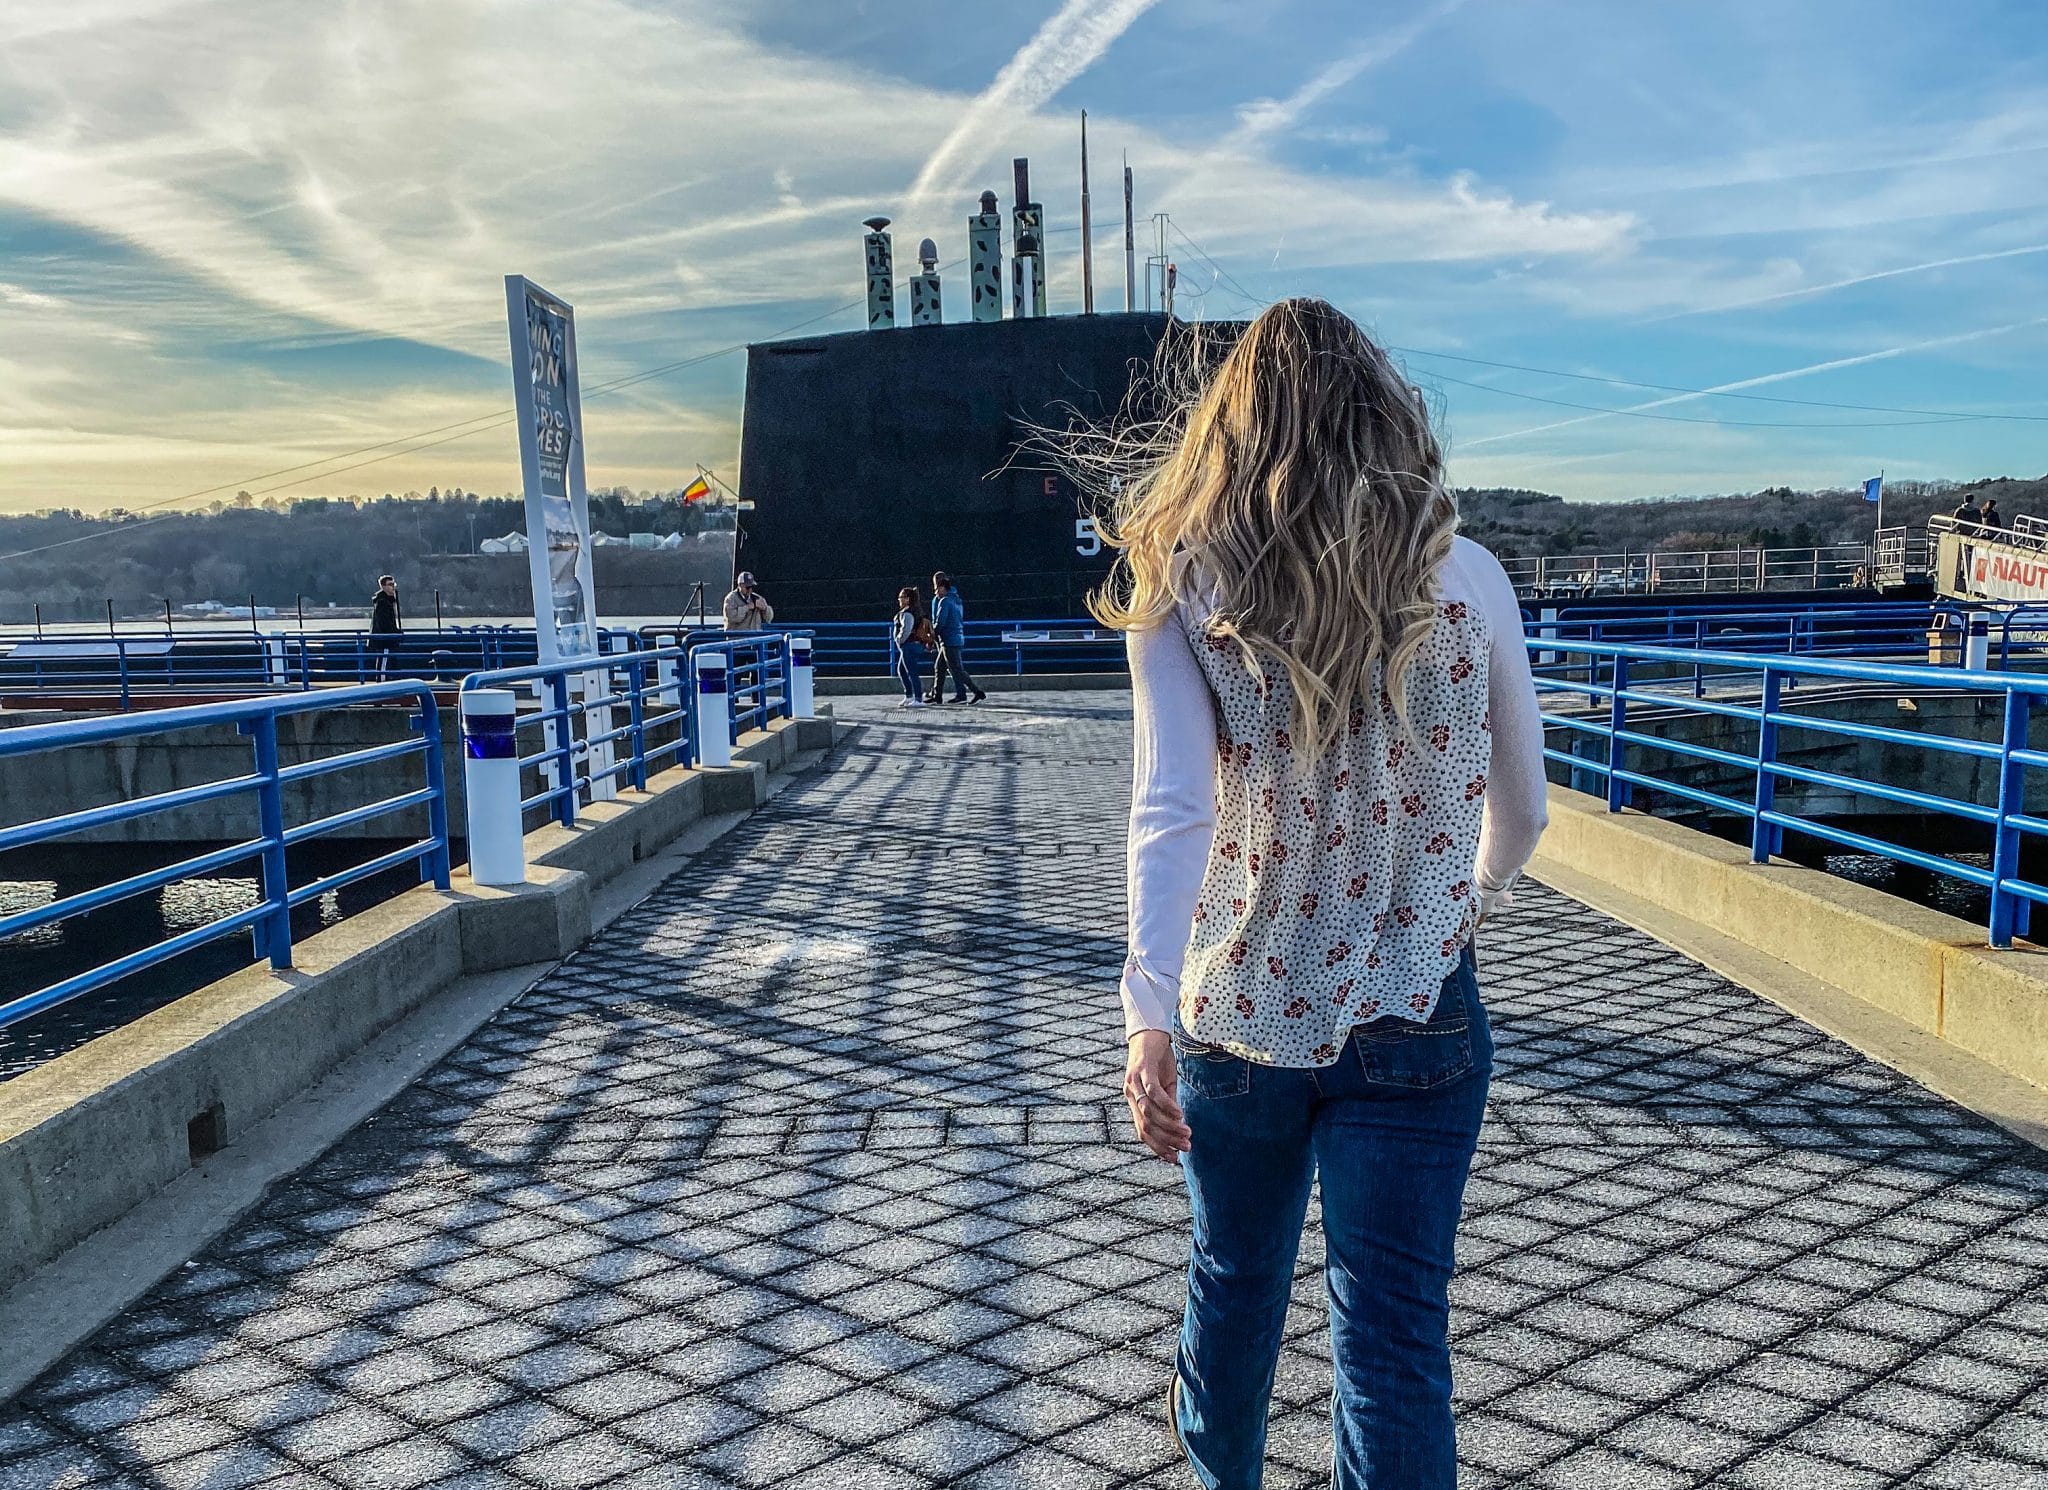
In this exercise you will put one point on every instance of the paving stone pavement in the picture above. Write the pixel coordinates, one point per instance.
(810, 1172)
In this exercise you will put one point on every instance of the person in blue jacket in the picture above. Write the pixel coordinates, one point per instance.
(949, 620)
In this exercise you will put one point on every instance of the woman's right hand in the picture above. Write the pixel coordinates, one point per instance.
(1151, 1090)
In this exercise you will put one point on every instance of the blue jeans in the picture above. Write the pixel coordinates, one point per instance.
(909, 663)
(1391, 1128)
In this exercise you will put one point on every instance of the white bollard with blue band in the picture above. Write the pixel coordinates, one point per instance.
(714, 709)
(1977, 643)
(490, 786)
(800, 691)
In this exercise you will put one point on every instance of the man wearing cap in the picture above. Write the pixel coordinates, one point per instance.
(746, 608)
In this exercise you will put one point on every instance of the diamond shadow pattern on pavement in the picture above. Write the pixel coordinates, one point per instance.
(810, 1171)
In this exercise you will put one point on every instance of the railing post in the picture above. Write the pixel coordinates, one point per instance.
(1699, 669)
(636, 692)
(434, 868)
(121, 660)
(2009, 912)
(273, 934)
(1617, 721)
(490, 786)
(562, 748)
(802, 697)
(714, 708)
(1766, 839)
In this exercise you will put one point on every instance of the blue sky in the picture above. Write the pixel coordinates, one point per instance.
(238, 238)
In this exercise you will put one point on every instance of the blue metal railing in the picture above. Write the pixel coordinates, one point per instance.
(757, 675)
(269, 921)
(1617, 753)
(1847, 630)
(861, 648)
(140, 668)
(127, 668)
(584, 749)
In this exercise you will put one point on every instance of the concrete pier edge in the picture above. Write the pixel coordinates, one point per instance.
(180, 1119)
(1912, 987)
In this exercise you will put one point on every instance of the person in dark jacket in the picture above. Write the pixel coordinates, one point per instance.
(386, 624)
(1991, 516)
(949, 620)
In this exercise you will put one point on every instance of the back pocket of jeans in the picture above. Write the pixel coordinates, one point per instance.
(1205, 1071)
(1414, 1055)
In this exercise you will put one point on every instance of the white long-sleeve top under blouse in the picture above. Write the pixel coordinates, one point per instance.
(1276, 901)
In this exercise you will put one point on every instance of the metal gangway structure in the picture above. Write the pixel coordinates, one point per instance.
(1692, 571)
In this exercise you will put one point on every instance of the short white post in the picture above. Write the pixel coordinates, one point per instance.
(801, 695)
(714, 709)
(490, 787)
(274, 661)
(1977, 645)
(668, 695)
(1548, 631)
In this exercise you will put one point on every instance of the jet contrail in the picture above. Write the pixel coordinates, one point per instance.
(1066, 46)
(1860, 279)
(1272, 115)
(1776, 377)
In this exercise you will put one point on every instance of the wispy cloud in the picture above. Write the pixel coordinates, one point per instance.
(240, 236)
(1271, 116)
(1066, 46)
(1835, 364)
(1859, 279)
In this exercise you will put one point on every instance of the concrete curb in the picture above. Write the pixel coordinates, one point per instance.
(1933, 972)
(92, 1134)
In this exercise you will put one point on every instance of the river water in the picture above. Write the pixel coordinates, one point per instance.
(36, 959)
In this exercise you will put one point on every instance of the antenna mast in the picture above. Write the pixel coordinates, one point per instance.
(1087, 239)
(1130, 243)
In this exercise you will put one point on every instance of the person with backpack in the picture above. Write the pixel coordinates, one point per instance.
(909, 636)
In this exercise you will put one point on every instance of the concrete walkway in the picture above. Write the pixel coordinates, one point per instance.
(810, 1172)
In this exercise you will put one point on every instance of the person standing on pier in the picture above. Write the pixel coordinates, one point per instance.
(949, 620)
(746, 608)
(907, 639)
(1339, 774)
(386, 624)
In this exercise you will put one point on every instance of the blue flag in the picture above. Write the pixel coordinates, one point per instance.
(1873, 489)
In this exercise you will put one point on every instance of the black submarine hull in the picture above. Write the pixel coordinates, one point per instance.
(874, 458)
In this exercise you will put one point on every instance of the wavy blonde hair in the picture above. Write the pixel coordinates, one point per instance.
(1297, 495)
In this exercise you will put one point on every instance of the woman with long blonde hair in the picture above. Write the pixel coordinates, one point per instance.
(1339, 774)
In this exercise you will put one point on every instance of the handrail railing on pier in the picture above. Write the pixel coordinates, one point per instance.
(269, 920)
(585, 753)
(757, 675)
(1692, 571)
(1608, 678)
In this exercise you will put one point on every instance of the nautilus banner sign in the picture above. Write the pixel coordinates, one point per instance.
(551, 455)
